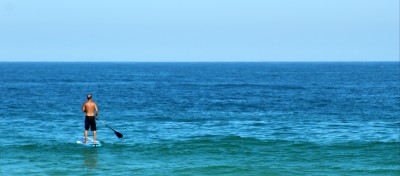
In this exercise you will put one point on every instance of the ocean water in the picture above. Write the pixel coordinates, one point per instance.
(202, 118)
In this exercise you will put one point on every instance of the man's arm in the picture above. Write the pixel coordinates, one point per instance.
(97, 111)
(83, 108)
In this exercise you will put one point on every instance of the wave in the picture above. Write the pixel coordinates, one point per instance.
(220, 153)
(248, 85)
(215, 141)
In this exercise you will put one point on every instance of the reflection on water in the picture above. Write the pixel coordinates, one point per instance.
(90, 158)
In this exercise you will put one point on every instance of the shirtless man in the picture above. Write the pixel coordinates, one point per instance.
(90, 120)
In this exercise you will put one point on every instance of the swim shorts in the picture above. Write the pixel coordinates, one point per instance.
(90, 121)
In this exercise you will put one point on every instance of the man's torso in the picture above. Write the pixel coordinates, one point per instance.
(90, 108)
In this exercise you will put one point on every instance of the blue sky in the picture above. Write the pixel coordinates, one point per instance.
(199, 30)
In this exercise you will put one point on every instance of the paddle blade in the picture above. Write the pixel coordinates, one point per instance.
(119, 135)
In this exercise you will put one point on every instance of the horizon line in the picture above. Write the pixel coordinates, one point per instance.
(357, 61)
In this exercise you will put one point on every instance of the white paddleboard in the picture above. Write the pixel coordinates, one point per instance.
(89, 143)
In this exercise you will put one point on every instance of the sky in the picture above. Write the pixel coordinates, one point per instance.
(199, 30)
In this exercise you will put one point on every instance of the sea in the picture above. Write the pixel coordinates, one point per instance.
(206, 118)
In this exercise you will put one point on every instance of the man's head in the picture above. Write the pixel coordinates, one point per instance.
(89, 96)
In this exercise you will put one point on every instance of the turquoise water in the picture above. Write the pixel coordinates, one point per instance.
(202, 118)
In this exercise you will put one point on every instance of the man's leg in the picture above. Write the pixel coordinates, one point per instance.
(85, 135)
(94, 136)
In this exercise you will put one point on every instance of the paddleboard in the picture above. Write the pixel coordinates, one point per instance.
(89, 143)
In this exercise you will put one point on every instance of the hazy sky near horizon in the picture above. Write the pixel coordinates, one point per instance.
(199, 30)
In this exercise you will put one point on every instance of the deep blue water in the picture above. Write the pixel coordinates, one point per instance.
(202, 118)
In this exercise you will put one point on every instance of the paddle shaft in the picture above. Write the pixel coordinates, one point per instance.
(119, 135)
(104, 124)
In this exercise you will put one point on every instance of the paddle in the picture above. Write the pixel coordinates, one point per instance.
(119, 135)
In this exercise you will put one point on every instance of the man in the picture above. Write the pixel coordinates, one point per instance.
(90, 121)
